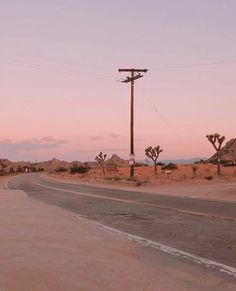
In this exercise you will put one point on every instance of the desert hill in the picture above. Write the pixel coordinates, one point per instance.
(115, 159)
(53, 165)
(228, 152)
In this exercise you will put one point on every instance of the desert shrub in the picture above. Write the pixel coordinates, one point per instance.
(131, 179)
(230, 164)
(222, 162)
(11, 171)
(78, 169)
(194, 169)
(160, 164)
(116, 178)
(209, 178)
(19, 170)
(200, 162)
(139, 183)
(138, 164)
(40, 169)
(61, 170)
(170, 166)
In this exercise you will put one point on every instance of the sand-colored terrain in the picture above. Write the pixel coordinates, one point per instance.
(180, 182)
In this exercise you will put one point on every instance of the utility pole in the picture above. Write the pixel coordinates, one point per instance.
(135, 74)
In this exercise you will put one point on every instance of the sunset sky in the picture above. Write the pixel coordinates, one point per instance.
(60, 95)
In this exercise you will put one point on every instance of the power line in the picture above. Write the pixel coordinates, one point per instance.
(196, 65)
(107, 70)
(48, 68)
(53, 60)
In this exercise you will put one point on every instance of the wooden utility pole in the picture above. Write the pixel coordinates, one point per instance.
(135, 74)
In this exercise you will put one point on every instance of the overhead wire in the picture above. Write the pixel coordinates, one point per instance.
(53, 60)
(48, 68)
(230, 62)
(108, 70)
(163, 118)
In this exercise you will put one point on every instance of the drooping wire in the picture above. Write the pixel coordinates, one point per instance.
(161, 115)
(55, 61)
(187, 66)
(48, 68)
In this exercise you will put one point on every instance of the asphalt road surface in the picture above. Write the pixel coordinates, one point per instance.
(200, 227)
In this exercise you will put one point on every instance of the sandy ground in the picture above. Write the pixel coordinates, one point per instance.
(146, 174)
(46, 248)
(3, 181)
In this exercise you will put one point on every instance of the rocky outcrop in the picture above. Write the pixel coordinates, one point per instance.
(116, 160)
(227, 153)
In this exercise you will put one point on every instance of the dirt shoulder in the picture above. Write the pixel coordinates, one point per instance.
(3, 182)
(221, 190)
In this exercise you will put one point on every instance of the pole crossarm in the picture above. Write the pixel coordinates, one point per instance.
(129, 79)
(134, 70)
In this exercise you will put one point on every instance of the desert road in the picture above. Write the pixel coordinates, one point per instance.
(200, 230)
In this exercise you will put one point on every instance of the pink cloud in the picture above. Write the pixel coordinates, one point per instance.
(114, 135)
(96, 137)
(48, 139)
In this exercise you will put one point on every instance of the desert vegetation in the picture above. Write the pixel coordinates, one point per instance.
(75, 169)
(153, 154)
(101, 161)
(217, 141)
(117, 170)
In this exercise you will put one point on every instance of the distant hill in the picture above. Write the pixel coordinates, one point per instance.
(115, 159)
(48, 166)
(228, 152)
(53, 165)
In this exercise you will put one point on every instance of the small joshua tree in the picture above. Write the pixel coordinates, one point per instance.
(153, 154)
(216, 140)
(101, 160)
(194, 169)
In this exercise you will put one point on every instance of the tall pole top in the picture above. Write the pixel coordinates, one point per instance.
(134, 70)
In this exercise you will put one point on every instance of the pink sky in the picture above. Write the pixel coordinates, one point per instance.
(59, 71)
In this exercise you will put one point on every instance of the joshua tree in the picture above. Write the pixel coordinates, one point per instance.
(101, 160)
(153, 154)
(216, 140)
(194, 169)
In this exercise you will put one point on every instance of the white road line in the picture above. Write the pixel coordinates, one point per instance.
(137, 203)
(172, 251)
(169, 250)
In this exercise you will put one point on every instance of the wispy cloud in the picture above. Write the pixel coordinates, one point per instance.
(101, 137)
(114, 135)
(48, 139)
(96, 137)
(32, 144)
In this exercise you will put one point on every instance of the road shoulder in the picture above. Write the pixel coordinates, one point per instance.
(47, 248)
